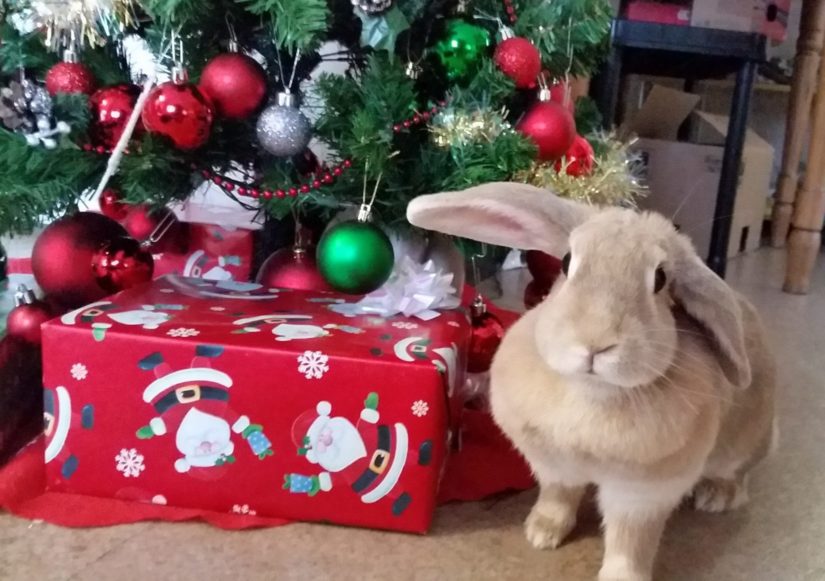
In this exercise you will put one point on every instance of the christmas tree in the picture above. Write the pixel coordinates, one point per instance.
(434, 95)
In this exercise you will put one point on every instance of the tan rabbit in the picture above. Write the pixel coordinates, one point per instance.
(642, 372)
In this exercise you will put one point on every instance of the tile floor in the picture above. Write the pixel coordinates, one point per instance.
(780, 536)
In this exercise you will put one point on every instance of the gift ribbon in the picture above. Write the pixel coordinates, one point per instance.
(414, 290)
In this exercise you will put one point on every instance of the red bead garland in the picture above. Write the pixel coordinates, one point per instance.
(511, 11)
(418, 118)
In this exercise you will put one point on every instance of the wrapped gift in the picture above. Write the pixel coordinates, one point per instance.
(214, 253)
(218, 394)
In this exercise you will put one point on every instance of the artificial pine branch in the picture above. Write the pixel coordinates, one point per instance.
(296, 24)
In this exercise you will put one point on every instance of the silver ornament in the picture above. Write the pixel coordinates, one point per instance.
(282, 129)
(372, 6)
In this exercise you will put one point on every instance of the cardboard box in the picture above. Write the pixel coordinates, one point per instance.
(214, 394)
(683, 177)
(740, 15)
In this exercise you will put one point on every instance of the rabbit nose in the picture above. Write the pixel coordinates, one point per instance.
(593, 352)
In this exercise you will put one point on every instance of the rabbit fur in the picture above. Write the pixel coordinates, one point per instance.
(652, 386)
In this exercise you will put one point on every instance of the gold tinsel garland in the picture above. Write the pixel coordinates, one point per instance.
(69, 23)
(614, 181)
(455, 127)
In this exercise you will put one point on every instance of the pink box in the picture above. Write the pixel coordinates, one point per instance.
(658, 12)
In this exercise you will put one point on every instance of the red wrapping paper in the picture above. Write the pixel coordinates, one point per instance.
(205, 395)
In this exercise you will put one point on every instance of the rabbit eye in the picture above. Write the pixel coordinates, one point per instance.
(565, 264)
(659, 280)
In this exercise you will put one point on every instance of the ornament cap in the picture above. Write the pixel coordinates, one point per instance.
(24, 296)
(286, 99)
(364, 213)
(478, 307)
(412, 70)
(545, 95)
(180, 75)
(70, 56)
(506, 33)
(233, 45)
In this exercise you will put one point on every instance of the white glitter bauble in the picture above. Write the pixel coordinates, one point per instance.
(282, 129)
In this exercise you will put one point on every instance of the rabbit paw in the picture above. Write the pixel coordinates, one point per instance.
(719, 494)
(548, 531)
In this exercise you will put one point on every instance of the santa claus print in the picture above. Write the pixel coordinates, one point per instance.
(291, 327)
(103, 314)
(193, 405)
(202, 265)
(59, 419)
(369, 456)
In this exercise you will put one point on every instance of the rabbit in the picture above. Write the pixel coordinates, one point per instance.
(641, 372)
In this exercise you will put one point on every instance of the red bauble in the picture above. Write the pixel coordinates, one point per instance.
(62, 257)
(544, 268)
(578, 159)
(551, 127)
(292, 268)
(141, 222)
(235, 83)
(520, 60)
(534, 293)
(67, 77)
(180, 112)
(111, 108)
(28, 314)
(121, 264)
(486, 335)
(111, 205)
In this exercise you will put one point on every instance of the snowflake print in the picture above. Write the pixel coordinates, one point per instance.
(420, 408)
(130, 463)
(243, 509)
(313, 364)
(79, 371)
(405, 325)
(183, 332)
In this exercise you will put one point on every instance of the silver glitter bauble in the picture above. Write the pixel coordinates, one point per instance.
(282, 129)
(372, 6)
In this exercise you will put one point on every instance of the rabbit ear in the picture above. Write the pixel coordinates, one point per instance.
(502, 213)
(711, 302)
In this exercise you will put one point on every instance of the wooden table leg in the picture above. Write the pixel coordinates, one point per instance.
(805, 239)
(806, 66)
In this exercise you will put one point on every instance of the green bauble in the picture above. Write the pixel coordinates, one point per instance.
(462, 48)
(355, 257)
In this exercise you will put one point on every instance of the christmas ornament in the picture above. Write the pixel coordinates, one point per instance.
(111, 205)
(26, 108)
(143, 222)
(28, 314)
(294, 268)
(615, 180)
(486, 335)
(62, 257)
(462, 48)
(122, 263)
(578, 161)
(111, 108)
(534, 293)
(355, 256)
(282, 129)
(518, 58)
(179, 111)
(234, 83)
(544, 268)
(550, 126)
(372, 6)
(413, 290)
(70, 76)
